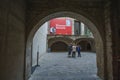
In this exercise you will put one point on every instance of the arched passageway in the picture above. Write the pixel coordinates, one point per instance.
(66, 40)
(88, 47)
(92, 26)
(85, 45)
(59, 47)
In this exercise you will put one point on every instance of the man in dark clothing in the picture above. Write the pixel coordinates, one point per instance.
(69, 50)
(78, 50)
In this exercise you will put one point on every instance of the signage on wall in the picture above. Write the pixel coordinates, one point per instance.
(61, 26)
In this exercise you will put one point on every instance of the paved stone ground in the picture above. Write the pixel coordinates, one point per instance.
(57, 66)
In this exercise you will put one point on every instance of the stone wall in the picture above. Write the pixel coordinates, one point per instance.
(68, 40)
(12, 39)
(115, 27)
(108, 45)
(39, 43)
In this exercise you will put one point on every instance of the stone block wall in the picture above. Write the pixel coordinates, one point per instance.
(115, 27)
(12, 39)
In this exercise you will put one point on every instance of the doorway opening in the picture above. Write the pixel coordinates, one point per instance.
(85, 45)
(59, 47)
(91, 26)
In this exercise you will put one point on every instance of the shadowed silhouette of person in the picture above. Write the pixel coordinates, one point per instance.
(69, 49)
(79, 50)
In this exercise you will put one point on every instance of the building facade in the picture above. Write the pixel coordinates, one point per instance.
(72, 29)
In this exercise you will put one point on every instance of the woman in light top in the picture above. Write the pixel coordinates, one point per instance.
(74, 51)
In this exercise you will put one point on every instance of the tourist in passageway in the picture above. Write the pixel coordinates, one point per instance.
(69, 49)
(79, 50)
(74, 51)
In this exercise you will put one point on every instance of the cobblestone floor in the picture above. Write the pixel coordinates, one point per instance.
(57, 66)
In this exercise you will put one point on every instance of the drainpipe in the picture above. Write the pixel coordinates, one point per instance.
(38, 57)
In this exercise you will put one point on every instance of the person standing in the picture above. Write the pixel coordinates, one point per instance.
(74, 51)
(69, 49)
(78, 50)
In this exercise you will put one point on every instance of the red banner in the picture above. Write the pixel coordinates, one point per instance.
(61, 26)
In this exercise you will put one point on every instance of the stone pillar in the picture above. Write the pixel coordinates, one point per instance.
(115, 26)
(12, 39)
(82, 29)
(73, 27)
(108, 47)
(112, 21)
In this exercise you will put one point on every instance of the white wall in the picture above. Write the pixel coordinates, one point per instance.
(82, 29)
(39, 43)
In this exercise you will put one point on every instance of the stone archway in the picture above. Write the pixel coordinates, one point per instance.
(88, 44)
(56, 39)
(89, 23)
(88, 47)
(56, 47)
(85, 45)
